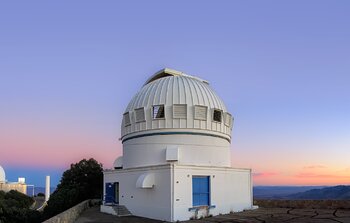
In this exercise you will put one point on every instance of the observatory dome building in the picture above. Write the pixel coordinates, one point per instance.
(176, 163)
(6, 186)
(2, 175)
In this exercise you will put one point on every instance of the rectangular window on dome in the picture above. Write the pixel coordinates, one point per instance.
(228, 119)
(158, 112)
(140, 115)
(127, 119)
(217, 115)
(180, 111)
(200, 112)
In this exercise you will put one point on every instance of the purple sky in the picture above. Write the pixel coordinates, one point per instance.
(69, 68)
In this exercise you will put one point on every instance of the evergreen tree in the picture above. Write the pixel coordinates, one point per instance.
(81, 182)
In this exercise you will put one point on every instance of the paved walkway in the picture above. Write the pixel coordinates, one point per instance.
(261, 215)
(38, 202)
(93, 215)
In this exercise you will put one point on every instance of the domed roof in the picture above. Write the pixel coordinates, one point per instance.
(2, 175)
(118, 163)
(173, 89)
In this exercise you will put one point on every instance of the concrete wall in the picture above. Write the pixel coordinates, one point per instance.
(197, 150)
(153, 202)
(13, 186)
(70, 215)
(230, 190)
(317, 204)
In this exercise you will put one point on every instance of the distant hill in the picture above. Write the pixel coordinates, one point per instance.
(340, 192)
(280, 192)
(39, 190)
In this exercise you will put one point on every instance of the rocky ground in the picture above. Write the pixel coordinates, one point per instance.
(261, 215)
(276, 215)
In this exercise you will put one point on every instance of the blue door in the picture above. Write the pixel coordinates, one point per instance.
(110, 193)
(200, 191)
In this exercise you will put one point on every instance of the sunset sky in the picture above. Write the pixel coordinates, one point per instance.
(69, 68)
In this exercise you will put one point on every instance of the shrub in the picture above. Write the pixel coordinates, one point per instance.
(14, 207)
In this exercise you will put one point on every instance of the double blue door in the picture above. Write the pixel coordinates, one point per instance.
(200, 191)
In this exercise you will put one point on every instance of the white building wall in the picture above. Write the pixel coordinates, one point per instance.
(13, 186)
(153, 202)
(193, 150)
(230, 190)
(171, 197)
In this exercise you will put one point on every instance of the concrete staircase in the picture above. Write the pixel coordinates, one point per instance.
(121, 210)
(118, 210)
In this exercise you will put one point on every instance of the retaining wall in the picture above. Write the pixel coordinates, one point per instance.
(70, 215)
(313, 204)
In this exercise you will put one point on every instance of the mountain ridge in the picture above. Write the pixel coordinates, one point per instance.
(340, 192)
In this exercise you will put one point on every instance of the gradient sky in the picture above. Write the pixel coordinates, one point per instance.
(69, 68)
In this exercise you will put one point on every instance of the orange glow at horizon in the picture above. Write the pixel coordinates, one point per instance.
(293, 172)
(312, 177)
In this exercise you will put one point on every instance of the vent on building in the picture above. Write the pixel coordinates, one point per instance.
(217, 115)
(172, 153)
(140, 115)
(127, 119)
(200, 112)
(228, 119)
(179, 111)
(158, 111)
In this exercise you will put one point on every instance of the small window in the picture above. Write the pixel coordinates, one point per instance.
(158, 111)
(228, 119)
(126, 119)
(179, 111)
(200, 112)
(140, 115)
(217, 115)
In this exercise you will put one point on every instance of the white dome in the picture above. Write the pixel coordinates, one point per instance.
(191, 98)
(2, 175)
(176, 118)
(118, 163)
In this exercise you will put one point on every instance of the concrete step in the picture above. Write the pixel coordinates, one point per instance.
(121, 210)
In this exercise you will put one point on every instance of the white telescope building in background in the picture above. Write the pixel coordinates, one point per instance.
(7, 186)
(47, 188)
